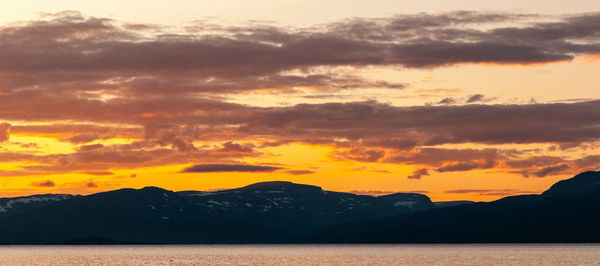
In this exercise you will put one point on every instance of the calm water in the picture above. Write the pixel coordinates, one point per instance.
(303, 255)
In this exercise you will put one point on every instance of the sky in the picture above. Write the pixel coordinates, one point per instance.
(472, 100)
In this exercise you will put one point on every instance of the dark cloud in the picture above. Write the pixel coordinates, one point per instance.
(394, 143)
(417, 174)
(166, 90)
(77, 60)
(97, 159)
(551, 170)
(458, 167)
(46, 183)
(230, 147)
(433, 125)
(71, 52)
(300, 172)
(364, 131)
(80, 133)
(536, 161)
(90, 147)
(590, 162)
(447, 101)
(476, 98)
(209, 168)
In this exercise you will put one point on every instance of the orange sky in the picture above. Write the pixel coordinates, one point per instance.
(473, 105)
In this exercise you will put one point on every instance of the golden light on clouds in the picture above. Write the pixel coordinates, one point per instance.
(432, 102)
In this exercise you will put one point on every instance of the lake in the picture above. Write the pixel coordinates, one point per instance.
(509, 254)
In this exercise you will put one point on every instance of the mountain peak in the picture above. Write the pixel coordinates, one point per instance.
(413, 201)
(153, 189)
(583, 183)
(280, 186)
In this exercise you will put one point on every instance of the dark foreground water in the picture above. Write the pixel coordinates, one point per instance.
(303, 255)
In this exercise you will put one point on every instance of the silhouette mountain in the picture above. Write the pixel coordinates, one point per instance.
(567, 212)
(583, 183)
(285, 212)
(262, 212)
(10, 206)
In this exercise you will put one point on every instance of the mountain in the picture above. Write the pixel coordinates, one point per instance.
(285, 212)
(412, 201)
(10, 206)
(583, 183)
(294, 207)
(452, 203)
(567, 212)
(262, 212)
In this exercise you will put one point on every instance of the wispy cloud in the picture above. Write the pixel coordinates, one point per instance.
(208, 168)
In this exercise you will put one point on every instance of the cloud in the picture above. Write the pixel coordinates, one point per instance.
(434, 125)
(492, 192)
(97, 159)
(361, 155)
(417, 174)
(46, 183)
(453, 159)
(360, 131)
(99, 173)
(458, 167)
(230, 147)
(551, 170)
(4, 132)
(167, 90)
(71, 52)
(300, 172)
(163, 85)
(475, 98)
(535, 161)
(82, 138)
(377, 193)
(447, 101)
(590, 162)
(209, 168)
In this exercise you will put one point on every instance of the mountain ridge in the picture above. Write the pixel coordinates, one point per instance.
(558, 215)
(285, 212)
(259, 212)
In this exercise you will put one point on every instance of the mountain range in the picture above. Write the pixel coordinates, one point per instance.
(285, 212)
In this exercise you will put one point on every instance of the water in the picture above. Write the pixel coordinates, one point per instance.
(575, 254)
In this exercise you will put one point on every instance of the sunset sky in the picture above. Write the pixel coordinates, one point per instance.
(457, 99)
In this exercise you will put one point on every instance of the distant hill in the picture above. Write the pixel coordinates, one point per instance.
(262, 212)
(11, 206)
(285, 212)
(567, 212)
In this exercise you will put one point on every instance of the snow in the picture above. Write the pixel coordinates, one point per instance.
(201, 194)
(410, 204)
(214, 202)
(10, 204)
